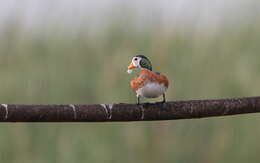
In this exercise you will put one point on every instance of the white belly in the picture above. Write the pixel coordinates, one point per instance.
(151, 90)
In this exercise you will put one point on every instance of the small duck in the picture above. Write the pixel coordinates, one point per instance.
(147, 84)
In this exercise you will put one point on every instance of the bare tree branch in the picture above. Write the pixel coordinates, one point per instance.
(128, 112)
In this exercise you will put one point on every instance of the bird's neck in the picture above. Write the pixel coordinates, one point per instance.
(144, 70)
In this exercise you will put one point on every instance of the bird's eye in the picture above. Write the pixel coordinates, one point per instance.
(135, 59)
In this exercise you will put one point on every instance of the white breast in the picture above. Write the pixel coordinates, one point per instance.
(151, 90)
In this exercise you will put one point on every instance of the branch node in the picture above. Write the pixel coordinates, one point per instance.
(74, 110)
(108, 109)
(6, 110)
(110, 106)
(142, 112)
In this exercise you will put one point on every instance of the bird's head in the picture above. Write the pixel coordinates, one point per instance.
(139, 61)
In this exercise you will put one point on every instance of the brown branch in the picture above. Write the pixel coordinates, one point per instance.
(128, 112)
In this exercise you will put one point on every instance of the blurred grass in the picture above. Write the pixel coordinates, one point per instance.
(53, 67)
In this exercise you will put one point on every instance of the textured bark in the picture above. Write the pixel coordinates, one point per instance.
(128, 112)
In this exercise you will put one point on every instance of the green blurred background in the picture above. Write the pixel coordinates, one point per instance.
(63, 52)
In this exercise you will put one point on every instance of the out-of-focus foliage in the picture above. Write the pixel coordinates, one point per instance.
(53, 67)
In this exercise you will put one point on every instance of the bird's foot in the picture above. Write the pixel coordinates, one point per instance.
(163, 104)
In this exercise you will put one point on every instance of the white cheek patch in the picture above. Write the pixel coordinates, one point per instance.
(129, 71)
